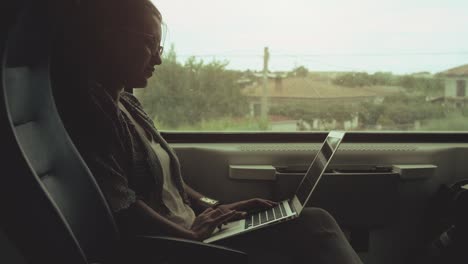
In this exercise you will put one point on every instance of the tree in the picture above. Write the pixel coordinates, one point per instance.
(186, 94)
(369, 113)
(301, 71)
(359, 79)
(355, 79)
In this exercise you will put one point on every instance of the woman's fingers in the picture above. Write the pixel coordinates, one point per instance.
(216, 212)
(260, 203)
(208, 210)
(223, 218)
(237, 216)
(271, 203)
(240, 215)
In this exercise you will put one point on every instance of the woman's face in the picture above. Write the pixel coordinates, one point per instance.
(135, 50)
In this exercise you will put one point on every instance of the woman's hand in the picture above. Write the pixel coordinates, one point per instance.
(208, 220)
(243, 207)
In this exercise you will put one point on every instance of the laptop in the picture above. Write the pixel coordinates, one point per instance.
(290, 208)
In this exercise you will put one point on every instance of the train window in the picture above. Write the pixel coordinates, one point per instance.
(255, 65)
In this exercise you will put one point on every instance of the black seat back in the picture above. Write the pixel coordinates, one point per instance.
(55, 201)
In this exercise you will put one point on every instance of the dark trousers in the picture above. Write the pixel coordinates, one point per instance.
(314, 237)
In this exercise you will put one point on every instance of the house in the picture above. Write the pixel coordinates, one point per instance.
(313, 91)
(283, 90)
(455, 82)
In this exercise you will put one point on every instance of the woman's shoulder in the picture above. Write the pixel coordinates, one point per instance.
(130, 98)
(135, 107)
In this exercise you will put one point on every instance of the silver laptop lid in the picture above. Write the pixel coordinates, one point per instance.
(316, 169)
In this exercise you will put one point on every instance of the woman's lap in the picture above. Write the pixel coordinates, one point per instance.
(314, 237)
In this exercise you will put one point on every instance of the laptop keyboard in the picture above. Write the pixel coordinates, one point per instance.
(266, 216)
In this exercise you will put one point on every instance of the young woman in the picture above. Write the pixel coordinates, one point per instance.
(116, 45)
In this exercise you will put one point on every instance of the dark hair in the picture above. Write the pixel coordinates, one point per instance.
(96, 14)
(94, 17)
(151, 6)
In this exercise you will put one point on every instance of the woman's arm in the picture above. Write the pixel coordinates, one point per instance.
(240, 207)
(199, 204)
(202, 227)
(192, 194)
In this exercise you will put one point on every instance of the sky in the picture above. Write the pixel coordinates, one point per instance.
(399, 36)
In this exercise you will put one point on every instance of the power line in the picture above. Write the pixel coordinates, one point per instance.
(305, 55)
(318, 59)
(374, 54)
(221, 55)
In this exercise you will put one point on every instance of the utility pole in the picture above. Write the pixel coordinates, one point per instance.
(264, 108)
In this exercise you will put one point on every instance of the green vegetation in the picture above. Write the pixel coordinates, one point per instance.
(453, 122)
(300, 71)
(199, 96)
(192, 93)
(360, 79)
(404, 109)
(395, 112)
(310, 111)
(409, 82)
(225, 124)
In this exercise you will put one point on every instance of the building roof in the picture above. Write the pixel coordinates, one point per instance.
(310, 87)
(460, 71)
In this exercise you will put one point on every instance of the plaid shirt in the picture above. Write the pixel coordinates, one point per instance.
(125, 166)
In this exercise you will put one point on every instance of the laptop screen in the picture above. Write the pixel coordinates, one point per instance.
(318, 166)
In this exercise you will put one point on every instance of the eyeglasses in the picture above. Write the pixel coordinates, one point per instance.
(148, 38)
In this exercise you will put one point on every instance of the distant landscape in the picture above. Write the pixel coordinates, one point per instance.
(205, 96)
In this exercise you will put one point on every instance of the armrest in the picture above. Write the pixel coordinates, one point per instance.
(151, 249)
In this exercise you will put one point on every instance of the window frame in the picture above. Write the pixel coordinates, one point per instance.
(298, 137)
